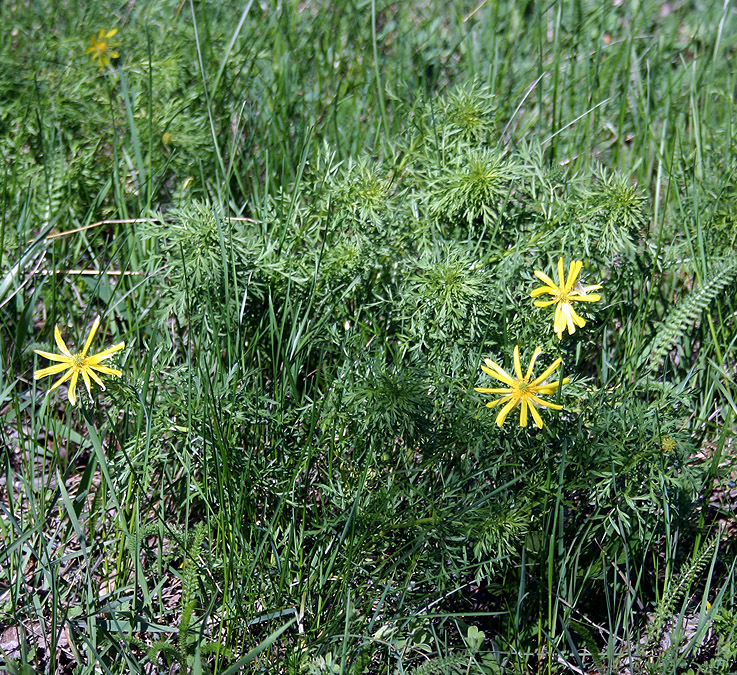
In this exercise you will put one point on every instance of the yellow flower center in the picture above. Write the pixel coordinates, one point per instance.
(667, 444)
(78, 360)
(522, 385)
(562, 296)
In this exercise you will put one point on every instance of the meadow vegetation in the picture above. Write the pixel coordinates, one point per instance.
(316, 230)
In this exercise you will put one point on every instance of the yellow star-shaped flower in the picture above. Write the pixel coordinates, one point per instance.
(564, 294)
(102, 49)
(78, 364)
(522, 391)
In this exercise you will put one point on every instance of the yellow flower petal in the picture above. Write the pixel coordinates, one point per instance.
(535, 354)
(517, 364)
(51, 370)
(497, 372)
(561, 275)
(546, 404)
(86, 379)
(536, 417)
(559, 321)
(552, 387)
(107, 371)
(484, 390)
(88, 342)
(61, 380)
(493, 404)
(95, 377)
(60, 343)
(51, 356)
(586, 298)
(574, 269)
(547, 280)
(506, 410)
(547, 372)
(72, 393)
(105, 354)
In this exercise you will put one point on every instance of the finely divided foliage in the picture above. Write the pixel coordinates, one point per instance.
(315, 238)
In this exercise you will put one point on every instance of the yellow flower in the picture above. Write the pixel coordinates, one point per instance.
(521, 390)
(102, 49)
(564, 293)
(76, 364)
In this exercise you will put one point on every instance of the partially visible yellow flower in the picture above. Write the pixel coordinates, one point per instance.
(564, 293)
(78, 364)
(667, 444)
(523, 391)
(102, 49)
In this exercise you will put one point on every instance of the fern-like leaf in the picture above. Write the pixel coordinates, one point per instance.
(688, 312)
(164, 648)
(51, 192)
(189, 584)
(443, 665)
(676, 591)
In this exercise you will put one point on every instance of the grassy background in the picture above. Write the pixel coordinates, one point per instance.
(318, 219)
